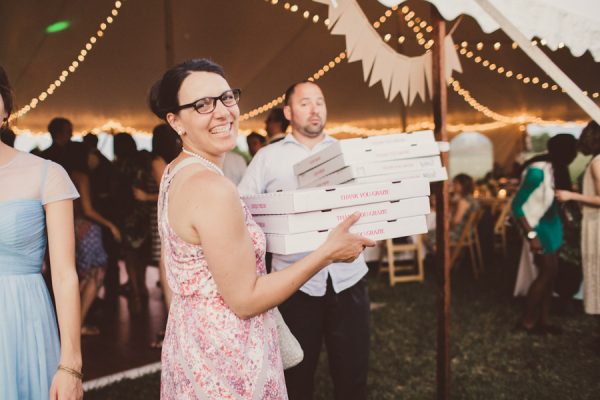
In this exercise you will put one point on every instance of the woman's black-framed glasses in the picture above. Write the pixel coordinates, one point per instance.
(206, 105)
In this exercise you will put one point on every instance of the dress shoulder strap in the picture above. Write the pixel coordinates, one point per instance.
(45, 166)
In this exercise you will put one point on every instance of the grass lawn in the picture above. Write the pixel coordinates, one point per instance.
(489, 360)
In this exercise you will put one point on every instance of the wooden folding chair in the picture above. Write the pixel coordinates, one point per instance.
(469, 238)
(390, 249)
(500, 226)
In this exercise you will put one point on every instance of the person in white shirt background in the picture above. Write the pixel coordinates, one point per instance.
(333, 306)
(276, 124)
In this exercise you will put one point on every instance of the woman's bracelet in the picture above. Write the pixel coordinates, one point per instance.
(70, 371)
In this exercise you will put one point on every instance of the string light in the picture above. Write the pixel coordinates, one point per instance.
(80, 58)
(500, 120)
(278, 100)
(465, 51)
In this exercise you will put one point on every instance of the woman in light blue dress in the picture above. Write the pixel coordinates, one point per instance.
(36, 196)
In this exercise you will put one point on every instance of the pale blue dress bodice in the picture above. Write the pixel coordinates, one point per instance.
(29, 345)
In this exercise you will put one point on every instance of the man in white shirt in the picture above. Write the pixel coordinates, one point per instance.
(334, 304)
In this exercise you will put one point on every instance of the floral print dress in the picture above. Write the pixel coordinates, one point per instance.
(208, 352)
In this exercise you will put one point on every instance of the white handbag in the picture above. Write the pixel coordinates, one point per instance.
(291, 351)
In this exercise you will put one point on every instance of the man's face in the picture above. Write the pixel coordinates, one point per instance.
(65, 134)
(254, 145)
(306, 110)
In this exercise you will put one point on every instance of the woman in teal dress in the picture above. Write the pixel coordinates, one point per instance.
(36, 196)
(538, 214)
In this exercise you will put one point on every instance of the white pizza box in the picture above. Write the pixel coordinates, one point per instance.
(327, 219)
(359, 169)
(325, 198)
(352, 175)
(433, 175)
(361, 146)
(309, 241)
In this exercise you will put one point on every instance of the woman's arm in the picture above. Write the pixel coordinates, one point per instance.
(211, 204)
(61, 244)
(83, 184)
(591, 201)
(461, 209)
(158, 168)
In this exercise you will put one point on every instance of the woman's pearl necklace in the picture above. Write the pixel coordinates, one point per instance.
(208, 164)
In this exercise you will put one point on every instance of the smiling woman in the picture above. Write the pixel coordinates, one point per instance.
(221, 339)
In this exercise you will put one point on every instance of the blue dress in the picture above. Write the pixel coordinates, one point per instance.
(29, 345)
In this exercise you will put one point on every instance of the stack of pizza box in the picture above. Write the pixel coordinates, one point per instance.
(374, 159)
(386, 179)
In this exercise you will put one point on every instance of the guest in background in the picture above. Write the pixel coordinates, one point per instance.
(255, 142)
(61, 130)
(137, 194)
(90, 254)
(538, 214)
(102, 186)
(589, 144)
(461, 206)
(276, 125)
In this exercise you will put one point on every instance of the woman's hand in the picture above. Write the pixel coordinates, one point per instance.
(115, 232)
(343, 246)
(139, 194)
(563, 195)
(536, 246)
(65, 387)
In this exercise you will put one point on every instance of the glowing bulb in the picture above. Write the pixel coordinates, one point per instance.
(306, 14)
(294, 8)
(315, 19)
(497, 46)
(479, 46)
(387, 37)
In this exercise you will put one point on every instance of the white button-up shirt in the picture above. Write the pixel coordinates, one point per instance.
(271, 170)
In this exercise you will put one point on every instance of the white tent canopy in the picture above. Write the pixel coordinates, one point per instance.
(573, 23)
(577, 26)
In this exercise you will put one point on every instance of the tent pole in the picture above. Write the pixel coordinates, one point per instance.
(542, 60)
(440, 105)
(399, 46)
(169, 48)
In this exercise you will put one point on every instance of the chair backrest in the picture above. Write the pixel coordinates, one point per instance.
(465, 234)
(502, 217)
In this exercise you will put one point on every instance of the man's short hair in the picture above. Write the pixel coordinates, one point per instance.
(290, 91)
(277, 115)
(254, 135)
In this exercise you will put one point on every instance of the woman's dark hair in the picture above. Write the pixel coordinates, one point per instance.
(165, 142)
(77, 157)
(163, 95)
(6, 92)
(466, 183)
(124, 146)
(589, 141)
(562, 150)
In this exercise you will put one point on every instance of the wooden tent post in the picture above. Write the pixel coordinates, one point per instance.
(440, 105)
(169, 47)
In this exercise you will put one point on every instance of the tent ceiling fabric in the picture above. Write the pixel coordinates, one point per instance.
(263, 48)
(575, 23)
